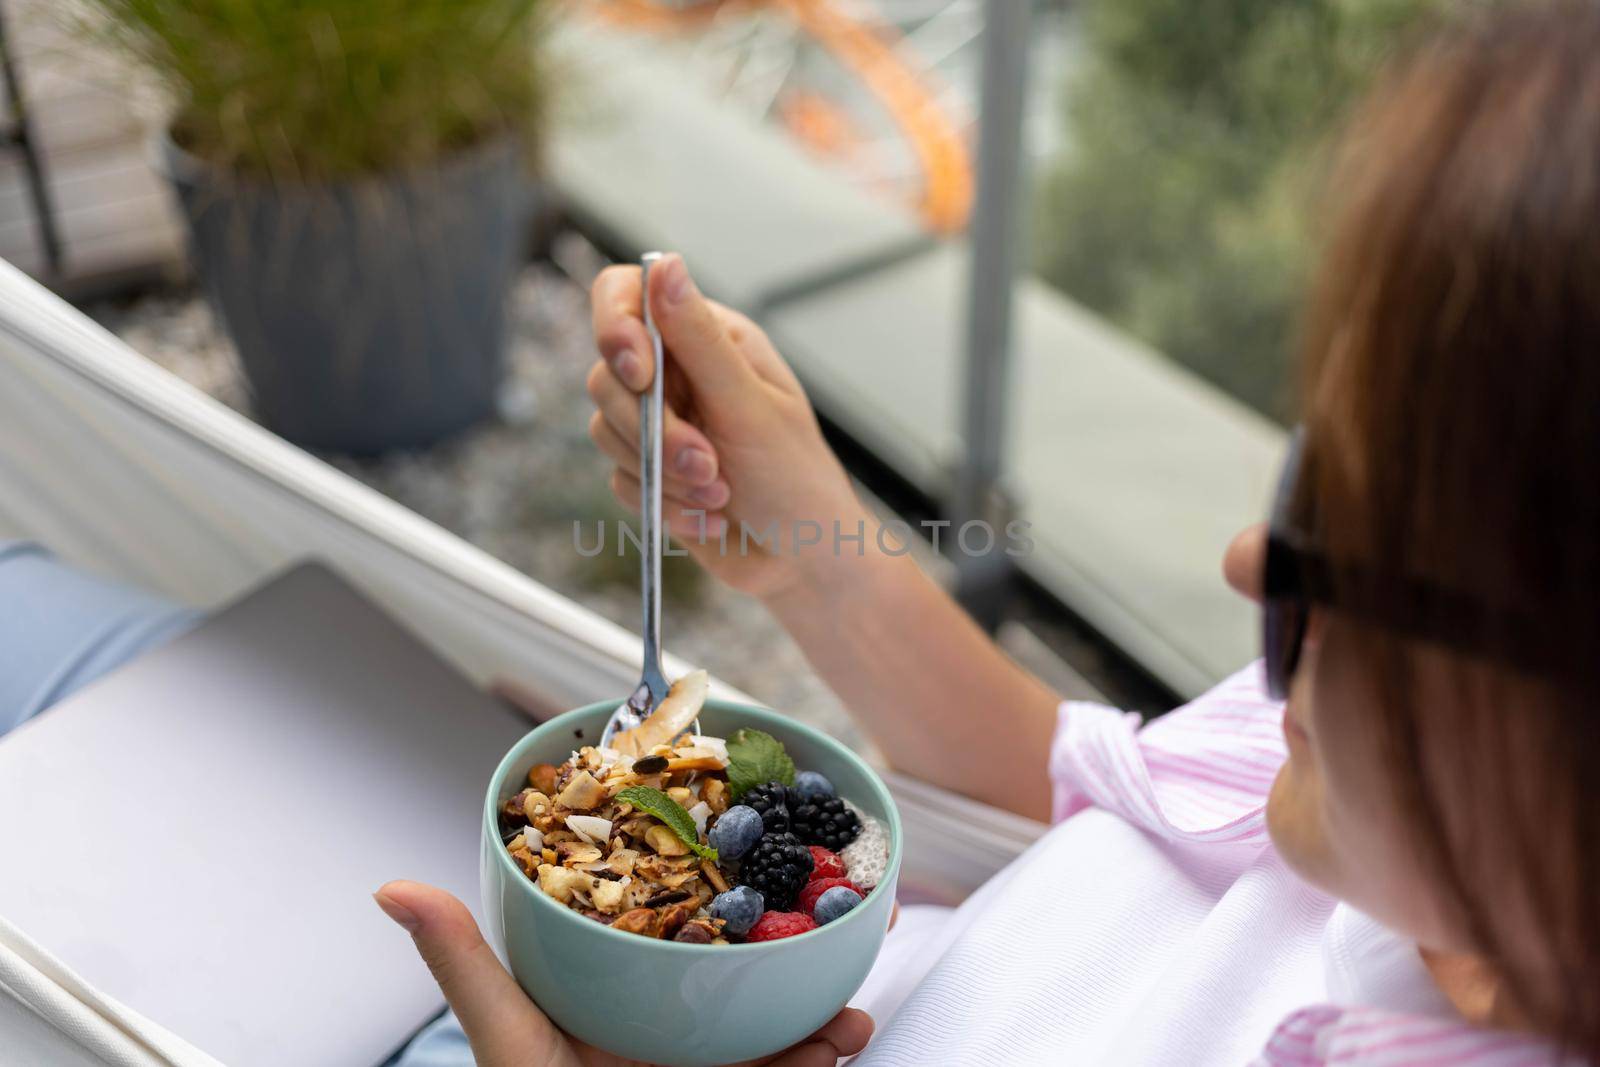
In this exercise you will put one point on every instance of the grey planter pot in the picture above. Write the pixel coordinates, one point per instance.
(369, 315)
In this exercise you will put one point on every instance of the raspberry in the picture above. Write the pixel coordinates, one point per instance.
(776, 924)
(808, 896)
(825, 864)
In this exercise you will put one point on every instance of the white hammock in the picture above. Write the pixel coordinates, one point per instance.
(126, 471)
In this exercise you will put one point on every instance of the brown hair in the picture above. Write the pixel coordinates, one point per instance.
(1452, 403)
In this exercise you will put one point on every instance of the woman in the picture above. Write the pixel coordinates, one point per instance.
(1395, 866)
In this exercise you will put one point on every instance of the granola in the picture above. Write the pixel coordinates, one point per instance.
(678, 835)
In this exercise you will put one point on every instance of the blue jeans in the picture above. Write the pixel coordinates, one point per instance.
(61, 629)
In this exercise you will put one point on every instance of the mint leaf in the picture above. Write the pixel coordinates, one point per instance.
(669, 811)
(756, 758)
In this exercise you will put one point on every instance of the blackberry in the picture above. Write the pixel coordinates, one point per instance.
(777, 868)
(824, 821)
(771, 802)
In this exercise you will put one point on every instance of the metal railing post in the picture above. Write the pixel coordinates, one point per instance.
(995, 239)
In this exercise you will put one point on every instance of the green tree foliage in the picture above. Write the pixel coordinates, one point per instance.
(1179, 204)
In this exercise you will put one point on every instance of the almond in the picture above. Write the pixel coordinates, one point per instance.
(543, 778)
(639, 921)
(665, 842)
(582, 793)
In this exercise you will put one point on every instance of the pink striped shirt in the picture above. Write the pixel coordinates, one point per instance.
(1201, 775)
(1156, 924)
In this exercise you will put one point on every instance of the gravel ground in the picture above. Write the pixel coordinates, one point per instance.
(514, 486)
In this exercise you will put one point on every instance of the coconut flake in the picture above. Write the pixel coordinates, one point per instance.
(532, 838)
(714, 746)
(700, 813)
(591, 828)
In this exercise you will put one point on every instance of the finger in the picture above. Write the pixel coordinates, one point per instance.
(617, 316)
(691, 525)
(625, 454)
(752, 340)
(499, 1019)
(845, 1035)
(694, 334)
(686, 453)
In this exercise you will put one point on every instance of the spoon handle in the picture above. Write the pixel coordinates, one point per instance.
(650, 418)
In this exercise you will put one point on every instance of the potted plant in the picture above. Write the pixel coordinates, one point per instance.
(353, 179)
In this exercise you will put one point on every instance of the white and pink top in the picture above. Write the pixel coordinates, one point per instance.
(1156, 924)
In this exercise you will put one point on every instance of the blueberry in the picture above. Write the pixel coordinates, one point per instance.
(736, 832)
(831, 904)
(812, 786)
(739, 909)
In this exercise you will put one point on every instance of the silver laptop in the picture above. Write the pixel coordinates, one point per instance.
(199, 833)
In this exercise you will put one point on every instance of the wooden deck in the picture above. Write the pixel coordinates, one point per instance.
(113, 212)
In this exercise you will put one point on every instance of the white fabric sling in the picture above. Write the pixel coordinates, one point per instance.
(50, 1015)
(125, 470)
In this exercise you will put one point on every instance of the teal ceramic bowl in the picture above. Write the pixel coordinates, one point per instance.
(664, 1001)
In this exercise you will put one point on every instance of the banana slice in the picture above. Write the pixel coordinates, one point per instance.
(676, 712)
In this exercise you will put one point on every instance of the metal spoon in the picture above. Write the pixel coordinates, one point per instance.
(652, 684)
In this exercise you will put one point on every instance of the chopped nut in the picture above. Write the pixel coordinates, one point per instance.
(681, 795)
(543, 778)
(561, 882)
(607, 896)
(511, 813)
(639, 921)
(636, 894)
(665, 842)
(696, 763)
(583, 793)
(662, 869)
(714, 876)
(573, 853)
(548, 855)
(637, 826)
(534, 804)
(697, 932)
(616, 783)
(715, 794)
(673, 916)
(621, 861)
(526, 860)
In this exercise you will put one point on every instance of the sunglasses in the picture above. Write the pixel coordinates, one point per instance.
(1297, 576)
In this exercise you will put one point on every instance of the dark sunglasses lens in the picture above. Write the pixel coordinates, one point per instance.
(1282, 613)
(1272, 639)
(1283, 625)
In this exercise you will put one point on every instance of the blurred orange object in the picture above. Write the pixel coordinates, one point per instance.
(824, 127)
(870, 52)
